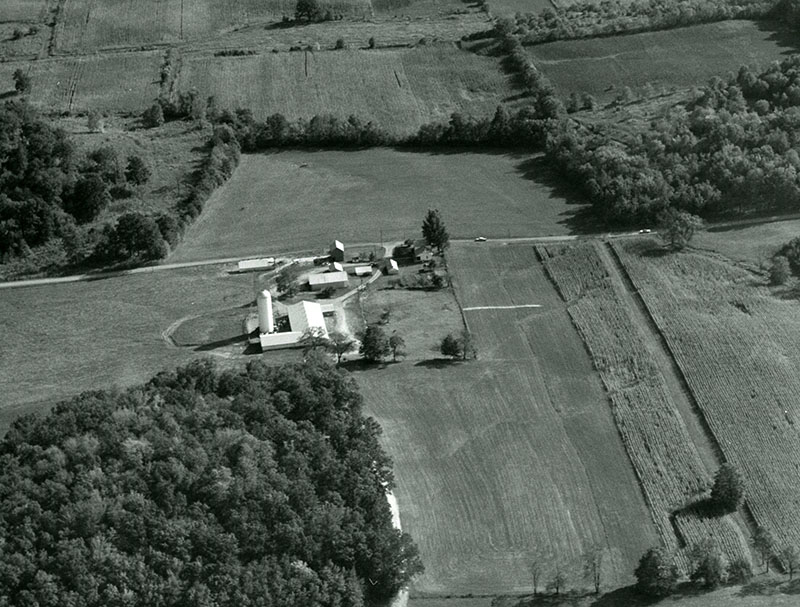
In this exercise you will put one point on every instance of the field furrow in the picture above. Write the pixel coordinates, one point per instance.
(738, 348)
(667, 463)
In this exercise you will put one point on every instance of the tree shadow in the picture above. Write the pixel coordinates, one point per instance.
(780, 34)
(761, 587)
(220, 343)
(627, 596)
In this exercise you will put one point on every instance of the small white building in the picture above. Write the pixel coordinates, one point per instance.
(253, 265)
(360, 270)
(323, 280)
(335, 266)
(390, 266)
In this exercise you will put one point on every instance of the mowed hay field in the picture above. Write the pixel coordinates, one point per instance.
(682, 58)
(62, 339)
(301, 201)
(32, 11)
(666, 460)
(398, 89)
(738, 344)
(119, 82)
(513, 454)
(92, 24)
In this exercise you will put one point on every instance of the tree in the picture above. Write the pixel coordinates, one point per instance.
(89, 197)
(728, 489)
(340, 44)
(536, 567)
(656, 574)
(340, 344)
(22, 82)
(790, 559)
(95, 121)
(764, 545)
(136, 237)
(740, 571)
(374, 344)
(285, 283)
(371, 42)
(397, 344)
(467, 345)
(313, 338)
(433, 230)
(593, 566)
(559, 579)
(677, 228)
(153, 116)
(136, 171)
(450, 346)
(104, 161)
(307, 10)
(779, 271)
(708, 564)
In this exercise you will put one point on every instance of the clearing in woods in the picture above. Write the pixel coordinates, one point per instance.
(737, 341)
(513, 454)
(300, 201)
(397, 89)
(682, 58)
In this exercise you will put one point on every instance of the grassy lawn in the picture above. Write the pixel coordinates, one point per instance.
(397, 89)
(755, 244)
(63, 339)
(300, 201)
(680, 58)
(510, 454)
(23, 10)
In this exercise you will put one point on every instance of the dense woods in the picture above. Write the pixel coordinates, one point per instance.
(258, 487)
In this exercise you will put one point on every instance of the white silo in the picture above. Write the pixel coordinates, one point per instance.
(265, 322)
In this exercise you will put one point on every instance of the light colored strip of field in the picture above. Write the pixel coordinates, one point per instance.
(469, 309)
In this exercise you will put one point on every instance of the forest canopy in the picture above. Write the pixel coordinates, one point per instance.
(265, 486)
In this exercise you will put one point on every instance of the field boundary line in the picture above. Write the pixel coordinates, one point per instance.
(678, 370)
(512, 307)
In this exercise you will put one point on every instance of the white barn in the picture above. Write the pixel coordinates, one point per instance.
(303, 315)
(320, 281)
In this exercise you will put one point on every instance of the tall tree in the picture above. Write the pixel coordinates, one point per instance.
(593, 566)
(136, 171)
(451, 346)
(677, 228)
(397, 345)
(340, 344)
(764, 544)
(433, 230)
(308, 10)
(656, 573)
(22, 81)
(89, 197)
(728, 489)
(790, 558)
(374, 344)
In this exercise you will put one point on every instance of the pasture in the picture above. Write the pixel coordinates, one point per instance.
(300, 201)
(29, 11)
(671, 471)
(397, 89)
(680, 58)
(751, 243)
(118, 82)
(62, 339)
(738, 344)
(510, 457)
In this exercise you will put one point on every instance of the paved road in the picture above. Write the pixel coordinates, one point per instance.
(226, 260)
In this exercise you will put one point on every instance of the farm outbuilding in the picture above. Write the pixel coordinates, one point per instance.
(253, 265)
(390, 266)
(320, 281)
(335, 266)
(360, 270)
(413, 251)
(303, 316)
(337, 251)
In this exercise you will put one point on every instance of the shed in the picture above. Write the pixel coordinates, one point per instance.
(337, 251)
(320, 281)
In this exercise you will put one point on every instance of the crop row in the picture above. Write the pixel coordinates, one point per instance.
(737, 347)
(669, 469)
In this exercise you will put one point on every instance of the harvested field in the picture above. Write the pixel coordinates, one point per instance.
(119, 82)
(399, 89)
(667, 463)
(681, 58)
(62, 339)
(738, 345)
(299, 201)
(513, 454)
(92, 24)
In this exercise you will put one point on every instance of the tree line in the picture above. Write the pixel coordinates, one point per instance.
(262, 486)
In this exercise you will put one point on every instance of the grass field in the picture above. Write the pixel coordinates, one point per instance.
(680, 58)
(509, 455)
(92, 24)
(754, 244)
(738, 344)
(667, 462)
(60, 340)
(398, 89)
(509, 8)
(119, 82)
(299, 201)
(30, 11)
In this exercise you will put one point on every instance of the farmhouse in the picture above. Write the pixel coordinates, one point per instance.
(413, 251)
(337, 251)
(323, 280)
